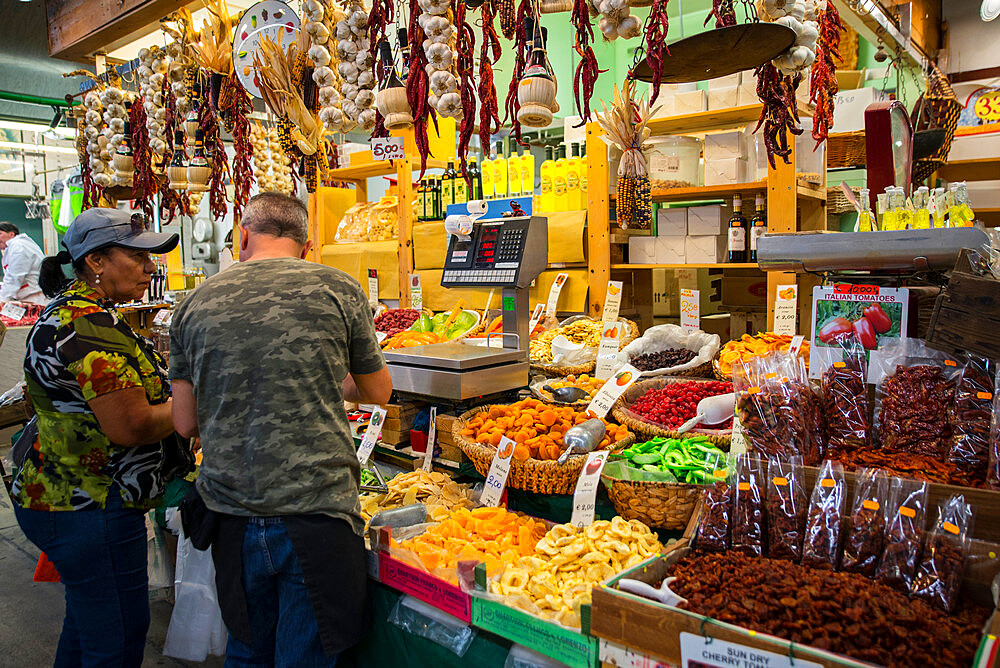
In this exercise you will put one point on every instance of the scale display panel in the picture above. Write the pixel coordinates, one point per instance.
(499, 253)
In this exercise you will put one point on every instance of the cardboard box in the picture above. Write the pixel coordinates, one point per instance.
(666, 294)
(849, 109)
(746, 94)
(642, 250)
(723, 98)
(716, 323)
(704, 220)
(670, 250)
(975, 147)
(746, 322)
(725, 172)
(725, 145)
(672, 222)
(728, 81)
(664, 105)
(705, 249)
(746, 288)
(690, 102)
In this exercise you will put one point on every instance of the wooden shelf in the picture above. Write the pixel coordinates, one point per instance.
(708, 192)
(376, 168)
(988, 216)
(714, 265)
(811, 190)
(706, 121)
(979, 169)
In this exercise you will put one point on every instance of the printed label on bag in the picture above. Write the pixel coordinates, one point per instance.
(585, 493)
(869, 504)
(907, 512)
(13, 311)
(950, 528)
(372, 434)
(827, 482)
(606, 397)
(779, 481)
(496, 479)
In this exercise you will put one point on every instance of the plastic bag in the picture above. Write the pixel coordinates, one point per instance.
(993, 473)
(424, 620)
(914, 392)
(904, 535)
(712, 533)
(786, 508)
(845, 398)
(971, 414)
(826, 506)
(865, 528)
(159, 566)
(748, 507)
(939, 574)
(753, 408)
(662, 337)
(196, 627)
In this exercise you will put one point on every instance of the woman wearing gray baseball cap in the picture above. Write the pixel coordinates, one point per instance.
(95, 457)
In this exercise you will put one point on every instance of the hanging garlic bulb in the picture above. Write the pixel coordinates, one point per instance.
(115, 114)
(354, 66)
(442, 77)
(98, 156)
(154, 64)
(616, 21)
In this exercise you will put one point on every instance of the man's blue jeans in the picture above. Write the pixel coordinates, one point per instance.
(282, 620)
(101, 558)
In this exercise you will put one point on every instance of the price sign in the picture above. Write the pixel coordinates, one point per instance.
(496, 479)
(431, 439)
(987, 107)
(372, 434)
(380, 336)
(606, 397)
(737, 441)
(796, 345)
(389, 148)
(612, 301)
(12, 311)
(416, 293)
(786, 309)
(585, 493)
(708, 652)
(372, 285)
(162, 316)
(557, 285)
(607, 351)
(536, 315)
(690, 310)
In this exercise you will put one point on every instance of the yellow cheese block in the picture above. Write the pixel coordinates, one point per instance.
(357, 258)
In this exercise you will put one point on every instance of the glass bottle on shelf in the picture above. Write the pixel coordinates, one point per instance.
(500, 172)
(487, 176)
(514, 172)
(866, 221)
(737, 242)
(475, 180)
(559, 173)
(573, 168)
(584, 188)
(422, 199)
(177, 169)
(545, 197)
(528, 172)
(758, 226)
(461, 188)
(448, 185)
(904, 211)
(922, 206)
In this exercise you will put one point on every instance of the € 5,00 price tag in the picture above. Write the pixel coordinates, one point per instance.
(372, 434)
(496, 479)
(585, 494)
(606, 397)
(390, 148)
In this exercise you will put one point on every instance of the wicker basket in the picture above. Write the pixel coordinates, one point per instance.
(845, 149)
(665, 505)
(622, 414)
(532, 475)
(535, 387)
(717, 370)
(837, 202)
(628, 337)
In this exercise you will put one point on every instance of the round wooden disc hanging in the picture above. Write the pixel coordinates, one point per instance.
(721, 51)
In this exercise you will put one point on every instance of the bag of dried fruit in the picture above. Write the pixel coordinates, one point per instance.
(904, 535)
(939, 575)
(970, 416)
(749, 532)
(712, 533)
(993, 473)
(844, 396)
(786, 508)
(914, 393)
(826, 507)
(865, 528)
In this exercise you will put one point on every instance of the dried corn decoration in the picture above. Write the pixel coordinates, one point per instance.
(298, 128)
(625, 128)
(439, 48)
(356, 66)
(270, 163)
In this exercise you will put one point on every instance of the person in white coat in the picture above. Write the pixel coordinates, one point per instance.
(22, 258)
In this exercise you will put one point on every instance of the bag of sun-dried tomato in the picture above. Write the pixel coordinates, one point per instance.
(914, 392)
(865, 528)
(993, 474)
(904, 535)
(845, 397)
(826, 507)
(939, 574)
(712, 533)
(786, 508)
(970, 416)
(749, 527)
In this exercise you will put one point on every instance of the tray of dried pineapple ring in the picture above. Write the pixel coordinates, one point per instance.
(555, 581)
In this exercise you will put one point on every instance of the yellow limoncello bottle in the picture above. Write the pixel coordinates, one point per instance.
(573, 192)
(528, 173)
(487, 171)
(922, 202)
(546, 199)
(559, 174)
(500, 172)
(513, 172)
(584, 187)
(865, 215)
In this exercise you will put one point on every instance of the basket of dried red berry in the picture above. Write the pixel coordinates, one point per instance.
(657, 407)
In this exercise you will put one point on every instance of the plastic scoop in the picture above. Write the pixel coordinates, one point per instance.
(711, 410)
(664, 595)
(566, 395)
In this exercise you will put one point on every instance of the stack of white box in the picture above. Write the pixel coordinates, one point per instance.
(726, 158)
(705, 242)
(689, 100)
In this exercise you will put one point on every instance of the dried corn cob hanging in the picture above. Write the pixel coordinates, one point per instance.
(624, 127)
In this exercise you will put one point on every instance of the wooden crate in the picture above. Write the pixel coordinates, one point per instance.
(746, 322)
(390, 437)
(967, 314)
(404, 410)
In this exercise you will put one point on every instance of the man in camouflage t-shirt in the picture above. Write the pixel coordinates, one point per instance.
(262, 357)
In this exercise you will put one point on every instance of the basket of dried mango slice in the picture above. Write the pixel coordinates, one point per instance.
(746, 348)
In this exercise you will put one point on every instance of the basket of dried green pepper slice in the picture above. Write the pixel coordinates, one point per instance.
(659, 482)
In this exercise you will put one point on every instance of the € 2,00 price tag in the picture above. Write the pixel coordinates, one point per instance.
(606, 397)
(496, 479)
(390, 148)
(372, 434)
(585, 493)
(785, 307)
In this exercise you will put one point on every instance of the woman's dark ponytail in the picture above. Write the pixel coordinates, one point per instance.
(51, 278)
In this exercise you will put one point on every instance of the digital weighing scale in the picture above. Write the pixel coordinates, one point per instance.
(506, 253)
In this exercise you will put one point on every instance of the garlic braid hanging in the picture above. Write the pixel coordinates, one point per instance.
(271, 168)
(152, 73)
(802, 17)
(438, 47)
(356, 66)
(616, 21)
(323, 13)
(97, 142)
(113, 100)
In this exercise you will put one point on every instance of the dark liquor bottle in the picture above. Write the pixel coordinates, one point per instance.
(448, 185)
(476, 180)
(737, 233)
(758, 227)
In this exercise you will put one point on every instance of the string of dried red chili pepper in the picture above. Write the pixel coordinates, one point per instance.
(511, 104)
(418, 85)
(779, 115)
(823, 78)
(465, 47)
(489, 53)
(91, 193)
(723, 12)
(216, 150)
(242, 168)
(587, 71)
(144, 181)
(655, 47)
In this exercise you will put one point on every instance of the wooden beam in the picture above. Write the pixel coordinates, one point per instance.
(404, 212)
(925, 25)
(598, 246)
(77, 29)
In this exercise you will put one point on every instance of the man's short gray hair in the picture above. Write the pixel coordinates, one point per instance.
(278, 215)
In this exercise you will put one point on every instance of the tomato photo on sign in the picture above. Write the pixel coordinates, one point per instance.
(878, 318)
(866, 333)
(834, 328)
